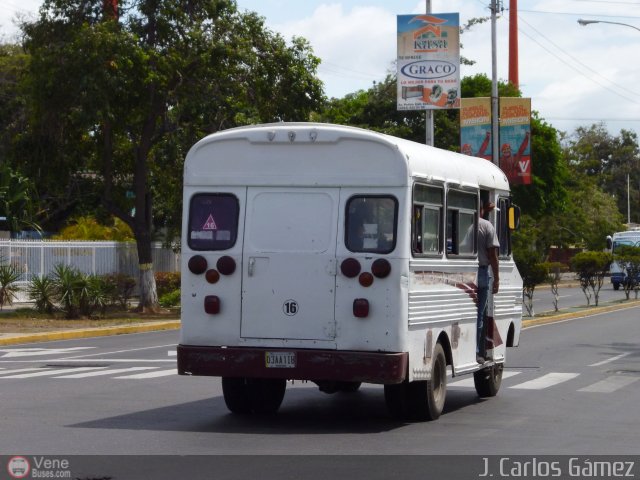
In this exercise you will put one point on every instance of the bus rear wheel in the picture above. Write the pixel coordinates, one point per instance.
(488, 380)
(420, 400)
(258, 395)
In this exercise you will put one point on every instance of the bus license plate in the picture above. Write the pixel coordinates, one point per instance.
(280, 359)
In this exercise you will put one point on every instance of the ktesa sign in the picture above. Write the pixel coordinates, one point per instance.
(428, 61)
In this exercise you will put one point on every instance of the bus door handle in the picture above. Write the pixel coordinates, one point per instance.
(252, 266)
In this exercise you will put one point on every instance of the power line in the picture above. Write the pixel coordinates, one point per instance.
(581, 64)
(573, 14)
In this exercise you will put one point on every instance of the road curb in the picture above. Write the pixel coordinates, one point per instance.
(577, 314)
(90, 332)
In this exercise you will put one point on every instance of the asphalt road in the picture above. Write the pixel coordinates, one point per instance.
(571, 387)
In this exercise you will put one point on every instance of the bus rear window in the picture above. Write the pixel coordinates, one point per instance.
(371, 224)
(213, 221)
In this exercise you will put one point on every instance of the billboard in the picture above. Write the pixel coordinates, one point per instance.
(515, 134)
(475, 127)
(428, 61)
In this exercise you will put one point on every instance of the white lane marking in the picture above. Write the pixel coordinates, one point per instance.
(610, 384)
(609, 360)
(172, 353)
(468, 382)
(110, 360)
(19, 370)
(32, 352)
(44, 373)
(161, 373)
(120, 351)
(106, 372)
(546, 381)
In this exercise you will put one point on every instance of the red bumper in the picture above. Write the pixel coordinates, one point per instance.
(333, 365)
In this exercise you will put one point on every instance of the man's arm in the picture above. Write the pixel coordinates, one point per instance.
(493, 261)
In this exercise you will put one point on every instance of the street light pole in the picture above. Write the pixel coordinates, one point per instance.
(589, 22)
(584, 23)
(495, 111)
(429, 118)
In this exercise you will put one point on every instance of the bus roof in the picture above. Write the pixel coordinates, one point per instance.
(320, 154)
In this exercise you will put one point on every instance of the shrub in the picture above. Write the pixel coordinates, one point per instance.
(8, 284)
(170, 299)
(167, 282)
(41, 291)
(120, 288)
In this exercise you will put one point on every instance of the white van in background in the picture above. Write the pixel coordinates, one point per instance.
(340, 256)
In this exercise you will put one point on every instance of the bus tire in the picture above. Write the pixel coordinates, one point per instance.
(488, 380)
(266, 394)
(350, 387)
(425, 399)
(395, 396)
(437, 386)
(236, 395)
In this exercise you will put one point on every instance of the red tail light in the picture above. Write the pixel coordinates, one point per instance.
(361, 307)
(365, 279)
(381, 268)
(212, 304)
(226, 265)
(212, 276)
(350, 267)
(197, 264)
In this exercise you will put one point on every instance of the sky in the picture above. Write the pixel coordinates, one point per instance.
(575, 75)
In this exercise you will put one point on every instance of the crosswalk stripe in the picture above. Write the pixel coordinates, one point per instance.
(546, 381)
(610, 360)
(468, 382)
(44, 373)
(106, 372)
(610, 384)
(161, 373)
(18, 370)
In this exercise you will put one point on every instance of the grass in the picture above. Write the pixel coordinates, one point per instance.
(27, 320)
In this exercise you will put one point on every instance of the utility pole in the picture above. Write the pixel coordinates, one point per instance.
(495, 149)
(513, 43)
(428, 120)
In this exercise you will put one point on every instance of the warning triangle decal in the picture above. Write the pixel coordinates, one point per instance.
(210, 224)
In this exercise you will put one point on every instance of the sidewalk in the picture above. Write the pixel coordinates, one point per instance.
(160, 325)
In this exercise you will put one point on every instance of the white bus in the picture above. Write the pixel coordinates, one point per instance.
(629, 238)
(339, 256)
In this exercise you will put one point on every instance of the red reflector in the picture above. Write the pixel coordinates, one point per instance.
(350, 267)
(381, 268)
(212, 276)
(365, 279)
(212, 304)
(361, 307)
(197, 264)
(226, 265)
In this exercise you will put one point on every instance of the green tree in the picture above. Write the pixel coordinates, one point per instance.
(122, 99)
(591, 268)
(608, 160)
(16, 199)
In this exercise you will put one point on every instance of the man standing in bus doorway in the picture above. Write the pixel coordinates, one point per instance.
(488, 274)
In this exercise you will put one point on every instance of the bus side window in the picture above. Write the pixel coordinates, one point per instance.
(462, 211)
(427, 220)
(502, 226)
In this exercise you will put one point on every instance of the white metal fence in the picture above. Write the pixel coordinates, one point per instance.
(36, 258)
